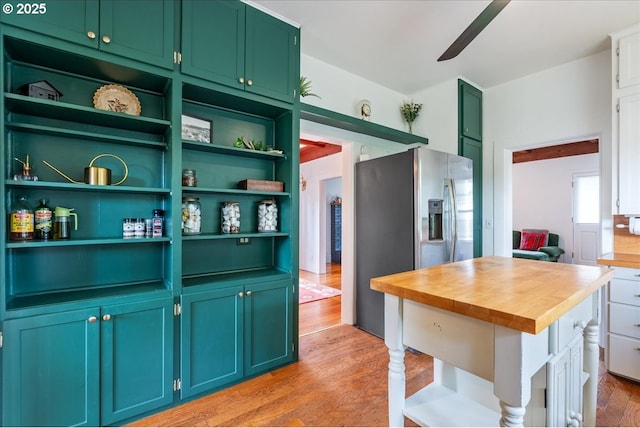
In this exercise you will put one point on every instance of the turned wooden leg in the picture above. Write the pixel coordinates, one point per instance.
(393, 340)
(591, 358)
(512, 416)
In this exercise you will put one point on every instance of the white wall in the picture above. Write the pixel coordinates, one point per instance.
(313, 212)
(542, 195)
(438, 119)
(564, 104)
(341, 91)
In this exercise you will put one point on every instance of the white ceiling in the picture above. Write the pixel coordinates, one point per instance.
(396, 43)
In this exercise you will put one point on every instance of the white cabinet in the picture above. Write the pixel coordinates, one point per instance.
(623, 336)
(625, 61)
(565, 380)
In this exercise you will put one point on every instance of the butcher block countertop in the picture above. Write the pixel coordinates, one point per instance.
(525, 295)
(620, 260)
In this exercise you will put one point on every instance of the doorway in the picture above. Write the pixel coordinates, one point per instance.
(586, 218)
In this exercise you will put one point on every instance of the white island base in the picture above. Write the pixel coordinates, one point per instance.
(489, 375)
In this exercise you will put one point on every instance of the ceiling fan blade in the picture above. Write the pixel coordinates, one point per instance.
(478, 24)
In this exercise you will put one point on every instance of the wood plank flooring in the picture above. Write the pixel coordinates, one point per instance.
(341, 380)
(325, 313)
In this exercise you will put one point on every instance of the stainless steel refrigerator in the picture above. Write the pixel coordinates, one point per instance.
(414, 209)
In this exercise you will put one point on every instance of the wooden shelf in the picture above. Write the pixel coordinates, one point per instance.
(438, 406)
(212, 190)
(210, 236)
(86, 187)
(354, 124)
(228, 150)
(84, 242)
(228, 279)
(89, 115)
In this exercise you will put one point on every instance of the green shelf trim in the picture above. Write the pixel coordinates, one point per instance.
(86, 187)
(75, 298)
(85, 242)
(228, 150)
(49, 130)
(354, 124)
(71, 112)
(211, 190)
(210, 236)
(228, 279)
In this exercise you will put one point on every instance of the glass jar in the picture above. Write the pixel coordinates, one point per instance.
(268, 216)
(230, 217)
(189, 178)
(128, 228)
(191, 216)
(158, 223)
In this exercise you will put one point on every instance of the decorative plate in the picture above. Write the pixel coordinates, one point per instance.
(117, 99)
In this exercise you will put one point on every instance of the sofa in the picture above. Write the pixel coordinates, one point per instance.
(538, 244)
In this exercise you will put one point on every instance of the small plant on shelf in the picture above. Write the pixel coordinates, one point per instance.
(305, 88)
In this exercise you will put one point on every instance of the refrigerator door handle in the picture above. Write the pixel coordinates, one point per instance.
(453, 213)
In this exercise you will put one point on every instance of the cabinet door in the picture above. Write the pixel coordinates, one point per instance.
(138, 29)
(268, 325)
(629, 154)
(50, 370)
(472, 149)
(136, 358)
(470, 111)
(213, 41)
(72, 20)
(558, 400)
(629, 61)
(211, 339)
(271, 56)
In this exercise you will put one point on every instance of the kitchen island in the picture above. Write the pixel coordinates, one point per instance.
(507, 336)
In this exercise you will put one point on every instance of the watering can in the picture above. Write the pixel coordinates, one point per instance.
(95, 174)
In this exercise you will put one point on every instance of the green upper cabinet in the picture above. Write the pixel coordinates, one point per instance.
(50, 373)
(137, 29)
(470, 111)
(241, 47)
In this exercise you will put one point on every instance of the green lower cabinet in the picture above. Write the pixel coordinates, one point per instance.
(233, 332)
(211, 347)
(268, 326)
(136, 358)
(91, 367)
(51, 370)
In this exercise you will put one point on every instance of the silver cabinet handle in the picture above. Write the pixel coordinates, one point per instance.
(106, 317)
(249, 293)
(91, 35)
(241, 79)
(249, 82)
(92, 319)
(106, 39)
(240, 294)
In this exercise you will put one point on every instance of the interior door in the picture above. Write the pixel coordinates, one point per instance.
(586, 218)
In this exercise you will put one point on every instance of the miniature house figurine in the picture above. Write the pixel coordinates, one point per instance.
(40, 89)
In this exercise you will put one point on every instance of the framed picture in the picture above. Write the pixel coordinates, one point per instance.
(196, 129)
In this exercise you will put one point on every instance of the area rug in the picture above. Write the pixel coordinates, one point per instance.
(310, 291)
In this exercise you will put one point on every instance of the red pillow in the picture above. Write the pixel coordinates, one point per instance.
(531, 241)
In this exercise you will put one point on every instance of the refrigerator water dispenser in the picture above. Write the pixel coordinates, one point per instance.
(435, 220)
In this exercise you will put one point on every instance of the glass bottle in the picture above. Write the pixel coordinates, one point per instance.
(21, 222)
(43, 217)
(25, 175)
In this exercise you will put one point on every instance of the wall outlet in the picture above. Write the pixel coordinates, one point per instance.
(243, 241)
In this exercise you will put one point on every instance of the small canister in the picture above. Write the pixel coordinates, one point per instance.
(191, 216)
(138, 228)
(189, 177)
(268, 216)
(128, 228)
(230, 217)
(158, 223)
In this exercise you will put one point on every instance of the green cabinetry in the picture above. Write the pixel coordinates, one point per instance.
(470, 146)
(240, 47)
(88, 367)
(137, 29)
(233, 331)
(91, 331)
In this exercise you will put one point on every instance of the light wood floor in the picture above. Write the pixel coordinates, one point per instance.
(325, 313)
(341, 380)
